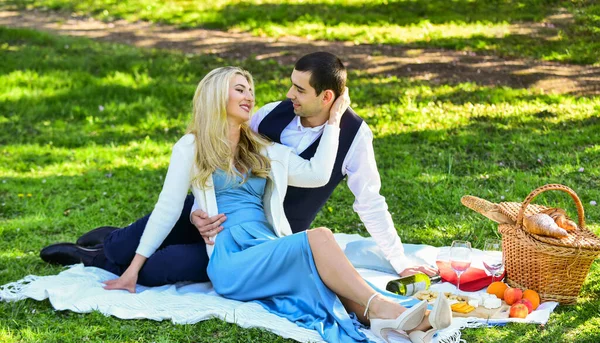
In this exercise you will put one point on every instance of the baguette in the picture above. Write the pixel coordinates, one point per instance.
(486, 208)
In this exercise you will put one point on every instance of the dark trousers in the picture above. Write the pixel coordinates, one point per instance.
(181, 257)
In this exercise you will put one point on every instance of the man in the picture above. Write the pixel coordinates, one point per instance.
(317, 79)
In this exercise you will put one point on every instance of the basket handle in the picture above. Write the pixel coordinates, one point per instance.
(551, 187)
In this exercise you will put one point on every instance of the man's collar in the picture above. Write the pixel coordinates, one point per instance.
(300, 127)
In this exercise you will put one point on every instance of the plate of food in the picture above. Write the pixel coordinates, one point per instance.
(482, 305)
(430, 296)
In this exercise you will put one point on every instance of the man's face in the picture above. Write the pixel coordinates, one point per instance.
(307, 103)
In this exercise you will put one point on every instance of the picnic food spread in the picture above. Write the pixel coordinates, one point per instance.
(511, 302)
(482, 305)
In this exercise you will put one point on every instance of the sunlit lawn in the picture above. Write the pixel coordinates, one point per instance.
(556, 30)
(85, 134)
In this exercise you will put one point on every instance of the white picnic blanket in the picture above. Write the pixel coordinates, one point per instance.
(79, 289)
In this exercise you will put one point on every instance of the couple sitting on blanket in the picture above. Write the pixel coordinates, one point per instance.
(245, 228)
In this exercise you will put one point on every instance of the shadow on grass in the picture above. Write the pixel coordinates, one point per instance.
(80, 96)
(544, 45)
(398, 12)
(517, 142)
(384, 13)
(64, 207)
(573, 40)
(274, 59)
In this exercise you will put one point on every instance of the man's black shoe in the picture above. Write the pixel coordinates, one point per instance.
(96, 236)
(68, 253)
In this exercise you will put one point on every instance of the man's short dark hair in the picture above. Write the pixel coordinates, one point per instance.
(326, 71)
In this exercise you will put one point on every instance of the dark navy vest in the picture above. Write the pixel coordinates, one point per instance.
(301, 205)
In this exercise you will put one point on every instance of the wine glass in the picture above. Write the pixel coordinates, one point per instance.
(460, 258)
(492, 257)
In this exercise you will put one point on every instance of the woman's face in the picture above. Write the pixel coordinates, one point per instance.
(241, 100)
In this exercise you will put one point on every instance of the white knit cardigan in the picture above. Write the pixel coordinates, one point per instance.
(287, 169)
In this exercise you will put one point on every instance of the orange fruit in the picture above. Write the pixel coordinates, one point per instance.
(497, 288)
(532, 296)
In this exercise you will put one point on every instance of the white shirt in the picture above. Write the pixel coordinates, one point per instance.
(363, 180)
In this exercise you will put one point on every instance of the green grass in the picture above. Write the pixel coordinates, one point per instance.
(502, 27)
(85, 134)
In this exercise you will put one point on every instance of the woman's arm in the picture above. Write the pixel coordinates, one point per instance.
(165, 214)
(317, 171)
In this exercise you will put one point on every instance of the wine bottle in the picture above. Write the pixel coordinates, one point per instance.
(409, 285)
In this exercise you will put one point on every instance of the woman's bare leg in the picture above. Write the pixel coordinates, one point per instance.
(424, 326)
(358, 309)
(340, 276)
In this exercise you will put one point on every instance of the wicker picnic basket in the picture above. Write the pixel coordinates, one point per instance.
(555, 268)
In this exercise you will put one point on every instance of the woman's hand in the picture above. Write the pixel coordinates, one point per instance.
(340, 105)
(129, 278)
(126, 282)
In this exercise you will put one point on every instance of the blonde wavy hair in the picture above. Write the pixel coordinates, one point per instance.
(210, 128)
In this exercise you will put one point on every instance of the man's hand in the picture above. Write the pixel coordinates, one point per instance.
(208, 226)
(340, 105)
(419, 269)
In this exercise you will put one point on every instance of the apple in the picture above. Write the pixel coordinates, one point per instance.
(518, 311)
(527, 303)
(512, 295)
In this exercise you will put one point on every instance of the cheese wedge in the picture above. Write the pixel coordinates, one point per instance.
(462, 307)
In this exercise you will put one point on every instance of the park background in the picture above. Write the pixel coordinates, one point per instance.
(491, 98)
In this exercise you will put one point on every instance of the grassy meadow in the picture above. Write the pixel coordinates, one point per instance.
(554, 30)
(86, 130)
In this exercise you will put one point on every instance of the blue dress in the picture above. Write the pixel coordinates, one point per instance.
(250, 262)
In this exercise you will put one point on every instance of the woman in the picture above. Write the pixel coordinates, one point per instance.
(304, 277)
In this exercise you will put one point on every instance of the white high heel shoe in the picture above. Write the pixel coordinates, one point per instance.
(439, 318)
(408, 320)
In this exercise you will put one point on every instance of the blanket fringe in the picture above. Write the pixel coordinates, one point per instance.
(14, 291)
(453, 333)
(454, 338)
